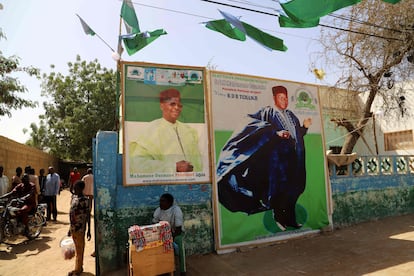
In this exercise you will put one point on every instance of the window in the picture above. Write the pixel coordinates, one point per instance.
(399, 140)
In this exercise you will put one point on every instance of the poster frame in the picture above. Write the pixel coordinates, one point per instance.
(196, 177)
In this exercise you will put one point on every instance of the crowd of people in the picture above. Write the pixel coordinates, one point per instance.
(45, 188)
(33, 189)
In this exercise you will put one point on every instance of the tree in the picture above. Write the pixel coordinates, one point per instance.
(373, 55)
(37, 134)
(10, 85)
(82, 103)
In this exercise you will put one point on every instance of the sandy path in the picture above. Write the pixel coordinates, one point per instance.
(43, 255)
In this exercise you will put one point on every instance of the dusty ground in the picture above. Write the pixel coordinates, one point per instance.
(43, 255)
(384, 247)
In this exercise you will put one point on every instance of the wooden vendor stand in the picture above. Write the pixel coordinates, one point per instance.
(153, 259)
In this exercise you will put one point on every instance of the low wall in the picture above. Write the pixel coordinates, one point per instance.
(118, 207)
(371, 188)
(14, 154)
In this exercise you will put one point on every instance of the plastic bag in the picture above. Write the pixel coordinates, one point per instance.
(68, 248)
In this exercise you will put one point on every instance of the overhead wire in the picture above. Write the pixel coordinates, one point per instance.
(170, 10)
(343, 17)
(210, 18)
(321, 25)
(353, 20)
(252, 4)
(275, 15)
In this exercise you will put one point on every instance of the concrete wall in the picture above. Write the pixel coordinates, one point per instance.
(118, 207)
(358, 195)
(372, 192)
(14, 154)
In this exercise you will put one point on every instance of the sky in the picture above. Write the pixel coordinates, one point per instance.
(45, 32)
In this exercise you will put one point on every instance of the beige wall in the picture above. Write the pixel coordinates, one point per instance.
(14, 154)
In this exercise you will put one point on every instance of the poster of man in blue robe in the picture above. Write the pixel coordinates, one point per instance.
(265, 183)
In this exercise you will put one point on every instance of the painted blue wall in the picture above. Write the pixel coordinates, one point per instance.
(358, 195)
(118, 207)
(363, 192)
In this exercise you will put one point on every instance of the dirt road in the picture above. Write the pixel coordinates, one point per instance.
(43, 256)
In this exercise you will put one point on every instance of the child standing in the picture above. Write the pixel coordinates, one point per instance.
(79, 216)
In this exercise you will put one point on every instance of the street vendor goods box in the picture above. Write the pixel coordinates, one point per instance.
(151, 255)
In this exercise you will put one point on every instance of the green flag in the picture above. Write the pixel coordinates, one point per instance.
(135, 42)
(234, 28)
(263, 38)
(222, 26)
(309, 11)
(392, 1)
(129, 17)
(86, 27)
(287, 22)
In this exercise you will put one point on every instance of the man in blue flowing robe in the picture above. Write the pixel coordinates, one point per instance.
(263, 166)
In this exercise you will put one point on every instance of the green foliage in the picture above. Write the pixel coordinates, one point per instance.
(37, 134)
(82, 102)
(10, 85)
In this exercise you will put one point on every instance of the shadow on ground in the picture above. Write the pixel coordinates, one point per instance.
(384, 246)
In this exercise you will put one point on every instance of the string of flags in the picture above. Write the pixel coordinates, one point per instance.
(306, 14)
(135, 40)
(294, 14)
(234, 28)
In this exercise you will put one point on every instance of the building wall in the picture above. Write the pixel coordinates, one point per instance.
(367, 191)
(358, 195)
(343, 104)
(339, 103)
(118, 207)
(14, 154)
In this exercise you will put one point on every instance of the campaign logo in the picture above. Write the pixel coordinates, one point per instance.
(304, 99)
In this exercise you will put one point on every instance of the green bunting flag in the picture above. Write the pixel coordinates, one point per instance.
(130, 17)
(86, 27)
(309, 11)
(263, 38)
(222, 26)
(287, 22)
(234, 28)
(135, 42)
(392, 1)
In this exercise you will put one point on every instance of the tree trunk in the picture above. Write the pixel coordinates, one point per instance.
(350, 141)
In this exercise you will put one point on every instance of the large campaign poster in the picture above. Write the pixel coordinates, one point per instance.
(165, 124)
(269, 168)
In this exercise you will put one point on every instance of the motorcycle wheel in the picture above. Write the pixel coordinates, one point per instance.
(2, 235)
(35, 225)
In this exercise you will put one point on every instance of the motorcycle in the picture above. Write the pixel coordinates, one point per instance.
(10, 224)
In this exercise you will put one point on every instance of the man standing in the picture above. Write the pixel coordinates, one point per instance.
(73, 177)
(4, 182)
(52, 186)
(88, 191)
(42, 183)
(166, 145)
(263, 166)
(34, 179)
